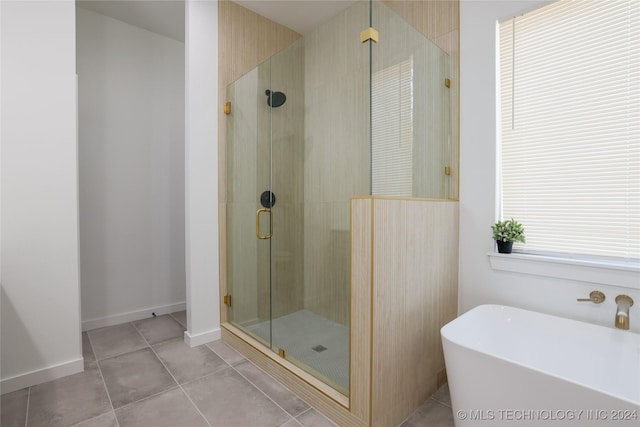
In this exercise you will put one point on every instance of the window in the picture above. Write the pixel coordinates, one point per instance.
(570, 127)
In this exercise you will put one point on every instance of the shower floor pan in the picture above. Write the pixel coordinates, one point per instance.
(311, 340)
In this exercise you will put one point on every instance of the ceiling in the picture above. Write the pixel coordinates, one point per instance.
(299, 15)
(167, 17)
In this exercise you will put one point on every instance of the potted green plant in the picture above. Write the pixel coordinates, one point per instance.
(507, 232)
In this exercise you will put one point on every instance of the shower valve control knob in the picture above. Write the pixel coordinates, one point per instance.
(267, 199)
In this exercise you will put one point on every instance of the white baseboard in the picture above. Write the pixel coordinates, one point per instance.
(131, 316)
(202, 338)
(21, 381)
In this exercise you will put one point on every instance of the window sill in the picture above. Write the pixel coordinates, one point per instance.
(622, 274)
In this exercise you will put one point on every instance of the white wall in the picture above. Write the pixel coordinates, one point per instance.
(201, 151)
(39, 244)
(479, 283)
(131, 165)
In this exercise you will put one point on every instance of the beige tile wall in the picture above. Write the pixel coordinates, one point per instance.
(414, 285)
(405, 289)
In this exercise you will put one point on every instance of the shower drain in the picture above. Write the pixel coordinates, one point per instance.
(319, 348)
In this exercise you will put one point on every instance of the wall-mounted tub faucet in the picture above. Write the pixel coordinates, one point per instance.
(622, 311)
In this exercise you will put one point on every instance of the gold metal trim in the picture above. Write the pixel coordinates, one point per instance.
(447, 82)
(409, 199)
(227, 300)
(350, 290)
(281, 353)
(372, 297)
(266, 236)
(447, 170)
(227, 108)
(369, 34)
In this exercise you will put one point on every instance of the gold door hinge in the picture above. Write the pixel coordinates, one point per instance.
(447, 170)
(281, 352)
(447, 82)
(227, 108)
(227, 300)
(369, 34)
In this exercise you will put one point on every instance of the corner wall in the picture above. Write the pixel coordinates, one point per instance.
(479, 283)
(39, 244)
(201, 172)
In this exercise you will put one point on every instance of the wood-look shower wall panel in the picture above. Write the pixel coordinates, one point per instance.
(432, 18)
(439, 21)
(246, 39)
(361, 280)
(389, 252)
(415, 252)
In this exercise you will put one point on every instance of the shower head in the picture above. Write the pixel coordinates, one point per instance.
(275, 99)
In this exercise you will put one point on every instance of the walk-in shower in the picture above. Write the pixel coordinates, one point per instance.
(342, 118)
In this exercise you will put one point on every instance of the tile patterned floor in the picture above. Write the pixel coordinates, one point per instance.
(143, 374)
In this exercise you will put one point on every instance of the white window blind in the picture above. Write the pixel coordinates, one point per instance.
(392, 130)
(570, 127)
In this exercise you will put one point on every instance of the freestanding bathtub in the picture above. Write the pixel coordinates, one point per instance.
(508, 366)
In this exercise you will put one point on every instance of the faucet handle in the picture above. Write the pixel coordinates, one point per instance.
(595, 297)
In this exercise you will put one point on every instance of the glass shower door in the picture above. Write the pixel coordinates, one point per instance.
(249, 199)
(265, 167)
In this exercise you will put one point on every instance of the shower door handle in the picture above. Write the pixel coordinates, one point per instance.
(258, 213)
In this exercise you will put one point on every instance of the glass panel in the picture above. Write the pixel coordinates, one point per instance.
(409, 111)
(248, 176)
(320, 160)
